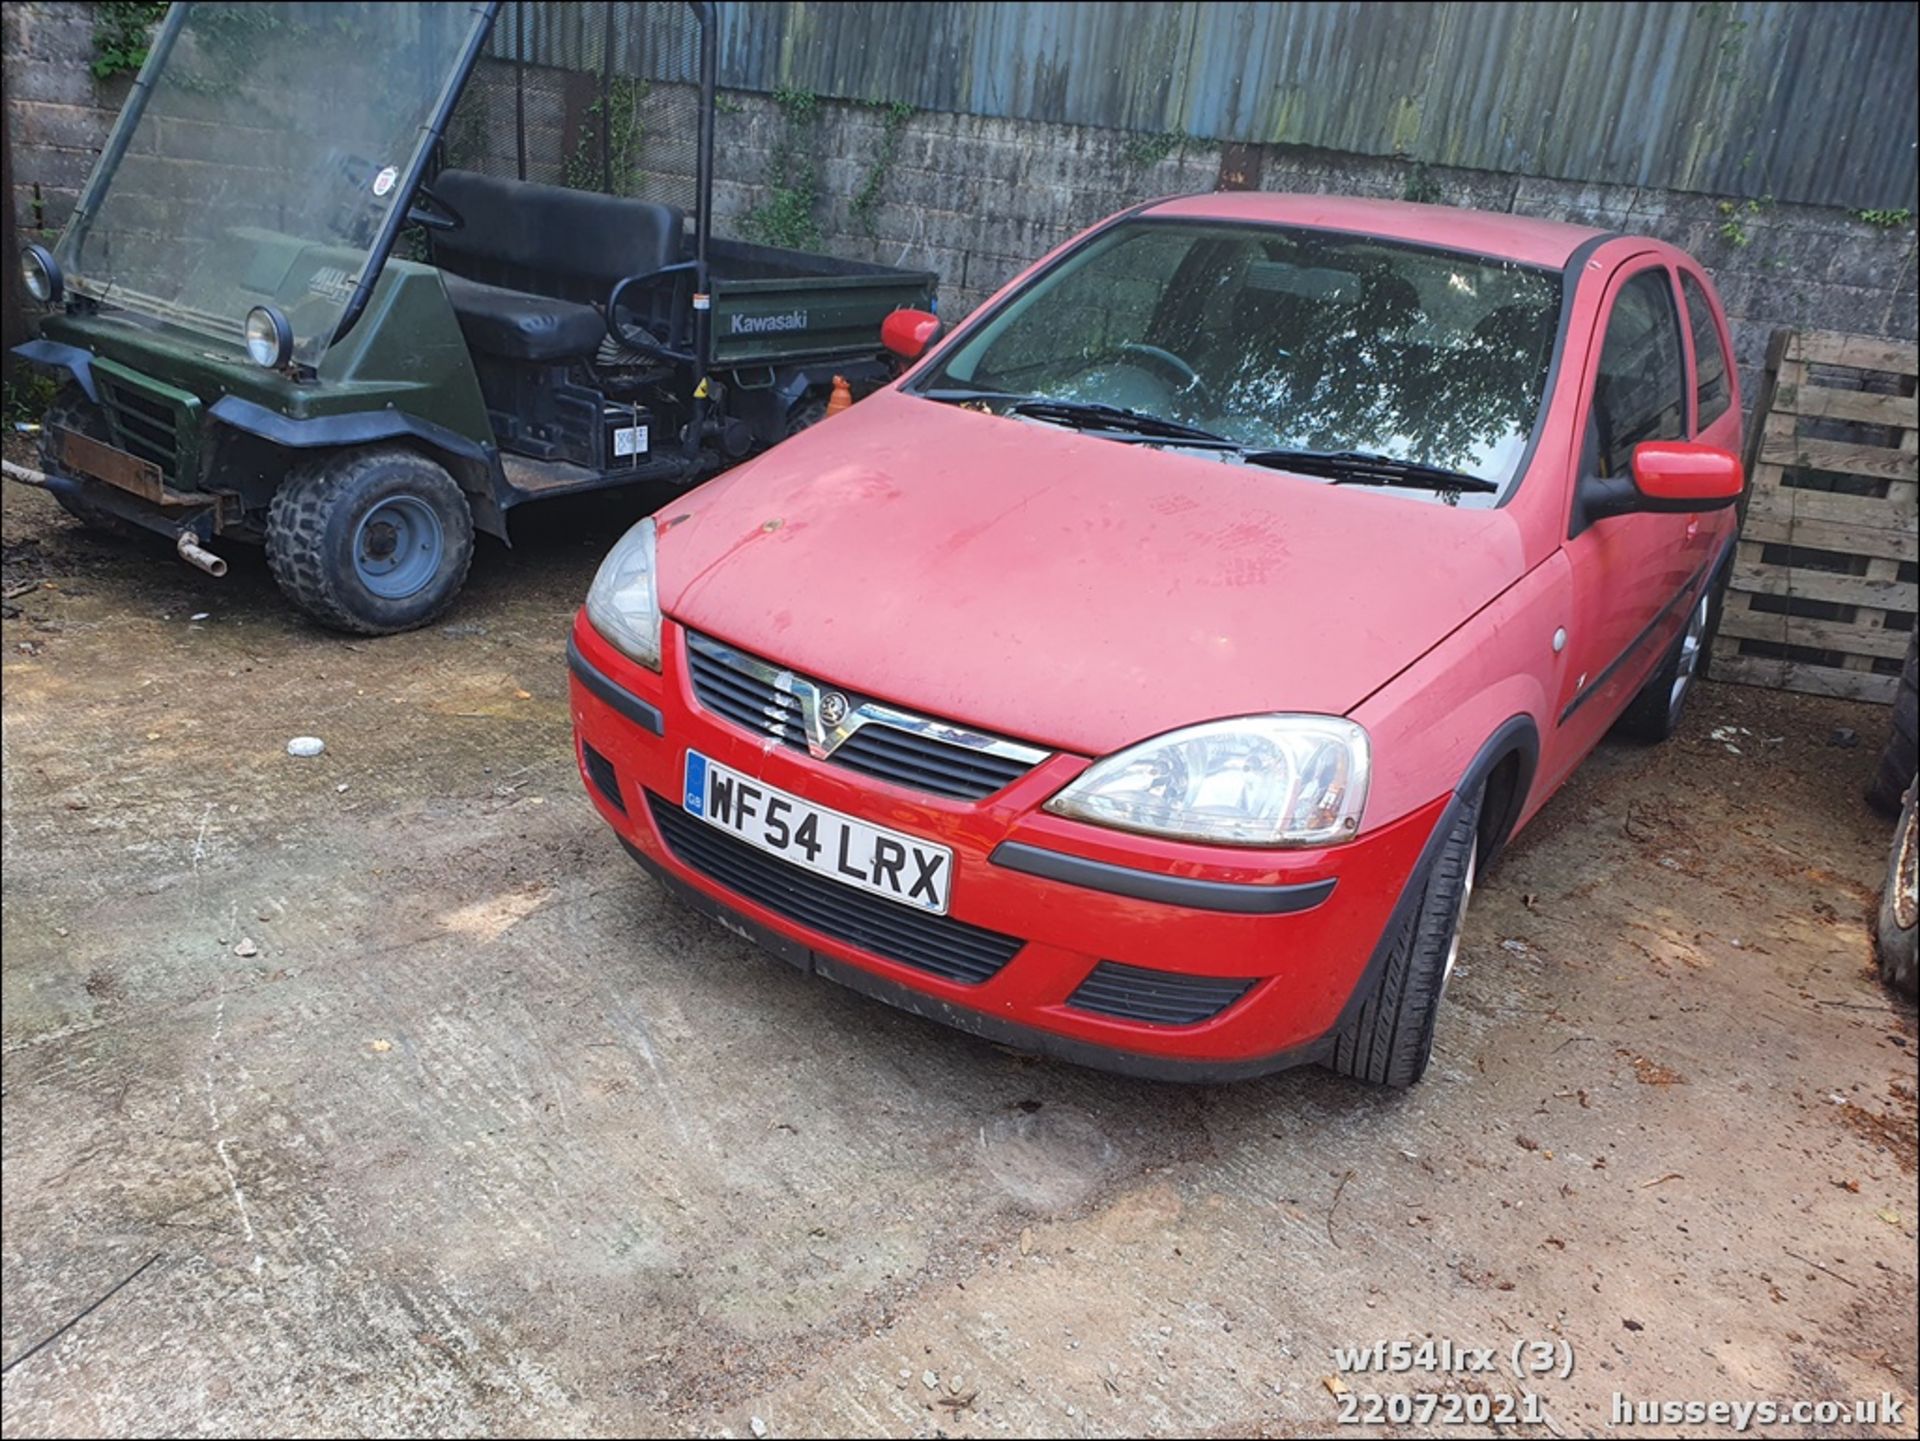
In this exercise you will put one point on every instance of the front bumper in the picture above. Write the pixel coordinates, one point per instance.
(1287, 938)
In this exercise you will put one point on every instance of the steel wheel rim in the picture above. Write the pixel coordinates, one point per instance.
(1460, 912)
(397, 547)
(1690, 645)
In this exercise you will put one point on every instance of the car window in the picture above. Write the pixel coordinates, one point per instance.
(1280, 337)
(1096, 308)
(1641, 392)
(1712, 390)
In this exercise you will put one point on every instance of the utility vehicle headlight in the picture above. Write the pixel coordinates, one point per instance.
(40, 273)
(269, 337)
(1267, 780)
(623, 603)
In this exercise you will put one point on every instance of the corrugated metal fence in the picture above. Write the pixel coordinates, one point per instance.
(1799, 101)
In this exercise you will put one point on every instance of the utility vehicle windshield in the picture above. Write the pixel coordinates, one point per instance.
(273, 141)
(1354, 358)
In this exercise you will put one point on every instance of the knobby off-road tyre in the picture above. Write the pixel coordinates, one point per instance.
(808, 411)
(1899, 760)
(1391, 1040)
(1896, 938)
(71, 410)
(1654, 714)
(370, 541)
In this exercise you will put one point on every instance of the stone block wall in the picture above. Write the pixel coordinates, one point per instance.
(976, 198)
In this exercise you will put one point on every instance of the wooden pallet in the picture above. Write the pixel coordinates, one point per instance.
(1824, 590)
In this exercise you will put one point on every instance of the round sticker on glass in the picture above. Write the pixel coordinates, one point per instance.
(383, 182)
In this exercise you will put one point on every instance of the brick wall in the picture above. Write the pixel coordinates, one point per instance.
(58, 114)
(975, 198)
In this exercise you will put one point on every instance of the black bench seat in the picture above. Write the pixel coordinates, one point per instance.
(531, 264)
(521, 325)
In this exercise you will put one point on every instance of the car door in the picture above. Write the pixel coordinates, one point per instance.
(1628, 572)
(1716, 407)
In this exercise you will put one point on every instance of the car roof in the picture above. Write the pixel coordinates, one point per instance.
(1480, 232)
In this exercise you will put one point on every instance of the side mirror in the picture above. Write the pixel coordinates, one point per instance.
(908, 333)
(1672, 476)
(1680, 475)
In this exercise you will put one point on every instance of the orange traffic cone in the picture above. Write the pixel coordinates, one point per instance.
(841, 398)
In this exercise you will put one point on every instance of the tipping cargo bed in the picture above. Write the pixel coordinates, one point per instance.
(773, 306)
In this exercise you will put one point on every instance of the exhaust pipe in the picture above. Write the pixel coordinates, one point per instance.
(24, 474)
(188, 544)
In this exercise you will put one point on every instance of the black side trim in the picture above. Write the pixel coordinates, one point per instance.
(1593, 686)
(71, 358)
(356, 429)
(642, 714)
(1516, 736)
(1250, 900)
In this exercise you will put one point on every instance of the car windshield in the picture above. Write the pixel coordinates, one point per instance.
(273, 141)
(1282, 338)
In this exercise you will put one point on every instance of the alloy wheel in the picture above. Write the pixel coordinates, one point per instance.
(1690, 646)
(1460, 913)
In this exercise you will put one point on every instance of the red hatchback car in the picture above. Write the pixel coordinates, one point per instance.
(1143, 678)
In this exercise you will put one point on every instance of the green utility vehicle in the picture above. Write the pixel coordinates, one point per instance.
(355, 280)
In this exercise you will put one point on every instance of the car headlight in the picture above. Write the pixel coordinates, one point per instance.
(623, 603)
(269, 337)
(40, 273)
(1271, 780)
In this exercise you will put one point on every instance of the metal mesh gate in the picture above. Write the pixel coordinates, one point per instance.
(596, 96)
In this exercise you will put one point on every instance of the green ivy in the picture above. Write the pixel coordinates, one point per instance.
(583, 169)
(1143, 152)
(122, 31)
(867, 199)
(25, 398)
(1421, 187)
(1885, 219)
(1733, 228)
(786, 218)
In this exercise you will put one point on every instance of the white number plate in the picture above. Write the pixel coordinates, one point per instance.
(841, 848)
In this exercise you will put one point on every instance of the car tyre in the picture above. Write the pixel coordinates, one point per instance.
(71, 410)
(1895, 937)
(370, 541)
(1654, 714)
(1390, 1041)
(1901, 758)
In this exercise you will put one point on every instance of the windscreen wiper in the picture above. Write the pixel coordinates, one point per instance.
(1087, 415)
(1097, 415)
(1365, 467)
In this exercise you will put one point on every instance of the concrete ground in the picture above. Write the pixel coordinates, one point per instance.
(409, 1105)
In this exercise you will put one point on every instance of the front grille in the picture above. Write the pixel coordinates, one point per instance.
(940, 945)
(908, 750)
(745, 699)
(1163, 998)
(142, 425)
